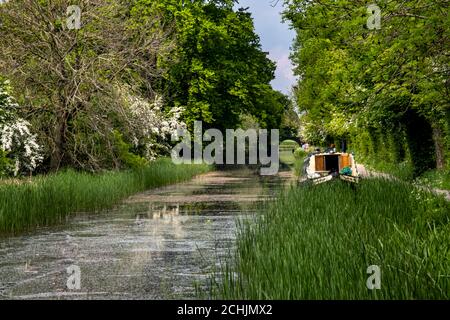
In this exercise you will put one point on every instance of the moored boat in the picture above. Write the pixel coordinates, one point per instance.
(324, 167)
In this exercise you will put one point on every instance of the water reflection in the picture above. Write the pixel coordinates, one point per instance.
(154, 245)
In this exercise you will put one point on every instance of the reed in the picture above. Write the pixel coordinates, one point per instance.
(50, 199)
(316, 242)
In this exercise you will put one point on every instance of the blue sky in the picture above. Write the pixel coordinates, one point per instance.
(276, 38)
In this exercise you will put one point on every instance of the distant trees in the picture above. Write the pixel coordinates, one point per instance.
(386, 90)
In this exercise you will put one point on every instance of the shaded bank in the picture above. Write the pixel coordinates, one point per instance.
(48, 200)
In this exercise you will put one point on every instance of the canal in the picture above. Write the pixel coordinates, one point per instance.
(159, 244)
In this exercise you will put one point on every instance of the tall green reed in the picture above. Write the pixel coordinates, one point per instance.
(316, 242)
(48, 200)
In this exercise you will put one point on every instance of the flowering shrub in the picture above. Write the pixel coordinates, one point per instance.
(150, 127)
(18, 145)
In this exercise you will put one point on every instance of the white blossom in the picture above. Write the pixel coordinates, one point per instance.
(150, 126)
(16, 137)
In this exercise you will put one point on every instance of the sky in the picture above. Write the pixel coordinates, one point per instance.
(276, 38)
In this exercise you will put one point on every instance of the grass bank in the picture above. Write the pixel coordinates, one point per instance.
(317, 243)
(403, 170)
(438, 179)
(48, 200)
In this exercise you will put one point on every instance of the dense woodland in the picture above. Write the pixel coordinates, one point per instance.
(109, 94)
(384, 90)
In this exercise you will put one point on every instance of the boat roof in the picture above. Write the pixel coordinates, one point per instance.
(330, 154)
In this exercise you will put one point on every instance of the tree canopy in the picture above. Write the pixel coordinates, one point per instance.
(106, 90)
(375, 85)
(218, 71)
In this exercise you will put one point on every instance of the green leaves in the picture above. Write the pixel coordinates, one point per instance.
(218, 71)
(374, 77)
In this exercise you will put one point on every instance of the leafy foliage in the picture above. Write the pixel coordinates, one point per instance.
(19, 150)
(69, 78)
(374, 85)
(218, 72)
(108, 95)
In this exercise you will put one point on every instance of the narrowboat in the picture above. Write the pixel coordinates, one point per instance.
(324, 167)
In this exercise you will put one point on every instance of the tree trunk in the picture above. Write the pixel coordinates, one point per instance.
(59, 139)
(439, 147)
(58, 150)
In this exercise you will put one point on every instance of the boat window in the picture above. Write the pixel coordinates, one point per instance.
(332, 163)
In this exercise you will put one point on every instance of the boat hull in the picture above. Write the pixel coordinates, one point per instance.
(330, 177)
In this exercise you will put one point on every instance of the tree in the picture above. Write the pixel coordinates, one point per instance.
(218, 71)
(355, 80)
(68, 77)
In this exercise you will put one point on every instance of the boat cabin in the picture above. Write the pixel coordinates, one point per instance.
(326, 166)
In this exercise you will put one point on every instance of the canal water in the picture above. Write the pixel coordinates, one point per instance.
(160, 244)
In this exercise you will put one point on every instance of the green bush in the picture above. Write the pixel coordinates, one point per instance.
(128, 159)
(300, 153)
(289, 144)
(300, 156)
(436, 179)
(316, 242)
(6, 164)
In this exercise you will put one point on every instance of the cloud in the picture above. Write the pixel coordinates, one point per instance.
(276, 38)
(284, 74)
